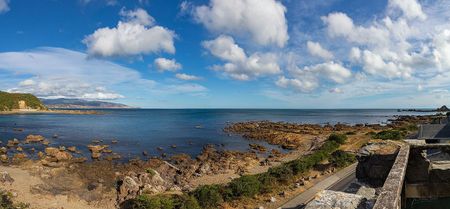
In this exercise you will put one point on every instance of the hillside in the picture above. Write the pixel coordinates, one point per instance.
(80, 104)
(14, 101)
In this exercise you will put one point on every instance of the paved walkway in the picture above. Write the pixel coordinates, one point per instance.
(342, 176)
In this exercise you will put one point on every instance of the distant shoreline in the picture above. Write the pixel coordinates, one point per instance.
(67, 112)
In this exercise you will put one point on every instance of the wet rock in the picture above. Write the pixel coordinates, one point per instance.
(45, 142)
(331, 199)
(19, 149)
(19, 157)
(145, 153)
(57, 155)
(34, 138)
(258, 147)
(5, 177)
(41, 155)
(173, 146)
(72, 149)
(55, 136)
(13, 143)
(97, 148)
(114, 141)
(62, 148)
(107, 151)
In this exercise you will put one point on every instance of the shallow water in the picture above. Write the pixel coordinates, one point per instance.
(146, 129)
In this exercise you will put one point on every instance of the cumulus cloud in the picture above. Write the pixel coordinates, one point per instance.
(163, 64)
(316, 49)
(134, 35)
(309, 78)
(410, 8)
(4, 6)
(186, 77)
(261, 21)
(238, 65)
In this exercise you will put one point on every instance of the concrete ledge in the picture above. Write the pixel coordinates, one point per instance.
(390, 196)
(427, 190)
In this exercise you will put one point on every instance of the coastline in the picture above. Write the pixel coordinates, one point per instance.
(52, 111)
(180, 173)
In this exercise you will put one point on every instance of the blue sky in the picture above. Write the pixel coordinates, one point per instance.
(229, 54)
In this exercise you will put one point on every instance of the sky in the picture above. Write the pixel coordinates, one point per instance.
(229, 53)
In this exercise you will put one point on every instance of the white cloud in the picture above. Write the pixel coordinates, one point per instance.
(163, 64)
(336, 91)
(375, 65)
(441, 50)
(309, 78)
(63, 73)
(316, 49)
(4, 6)
(262, 21)
(410, 8)
(186, 77)
(238, 65)
(133, 36)
(355, 54)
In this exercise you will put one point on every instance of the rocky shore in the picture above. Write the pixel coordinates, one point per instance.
(99, 181)
(50, 111)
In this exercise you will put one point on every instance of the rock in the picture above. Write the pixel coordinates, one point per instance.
(367, 192)
(143, 183)
(273, 199)
(97, 148)
(3, 150)
(107, 151)
(331, 199)
(258, 147)
(41, 155)
(19, 157)
(96, 155)
(13, 143)
(55, 136)
(145, 153)
(34, 138)
(5, 177)
(57, 155)
(114, 142)
(19, 149)
(46, 142)
(173, 146)
(159, 148)
(63, 156)
(72, 149)
(51, 151)
(4, 158)
(128, 189)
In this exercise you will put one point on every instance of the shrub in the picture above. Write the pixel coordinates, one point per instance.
(150, 202)
(282, 173)
(350, 133)
(150, 171)
(209, 196)
(339, 138)
(389, 134)
(268, 182)
(245, 186)
(188, 202)
(342, 159)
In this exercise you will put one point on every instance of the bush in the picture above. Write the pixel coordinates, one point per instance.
(268, 182)
(209, 196)
(282, 173)
(339, 138)
(7, 203)
(150, 202)
(342, 159)
(389, 134)
(245, 186)
(188, 202)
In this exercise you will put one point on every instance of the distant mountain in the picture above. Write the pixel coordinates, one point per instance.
(17, 101)
(81, 104)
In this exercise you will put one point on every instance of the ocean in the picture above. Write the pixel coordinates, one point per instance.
(139, 130)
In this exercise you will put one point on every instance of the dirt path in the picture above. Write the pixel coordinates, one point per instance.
(23, 184)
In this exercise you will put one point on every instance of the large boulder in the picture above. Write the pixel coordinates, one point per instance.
(375, 160)
(132, 185)
(331, 200)
(5, 177)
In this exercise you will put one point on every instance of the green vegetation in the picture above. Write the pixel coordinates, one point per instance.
(211, 196)
(7, 203)
(162, 202)
(342, 159)
(339, 138)
(389, 135)
(150, 171)
(10, 101)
